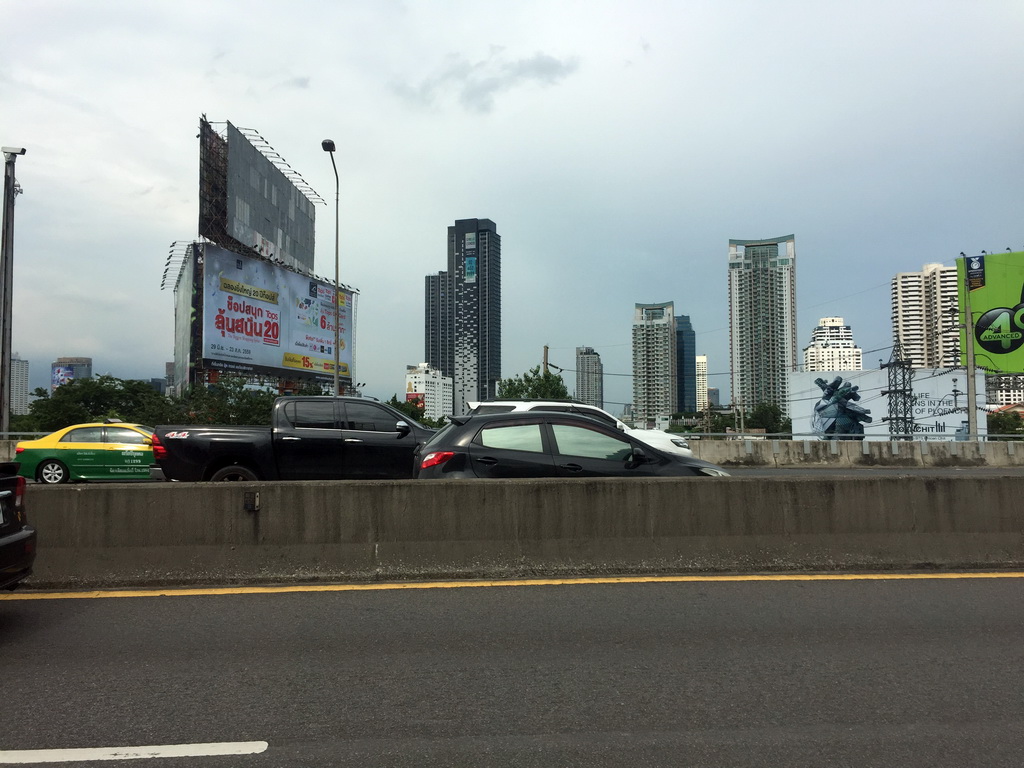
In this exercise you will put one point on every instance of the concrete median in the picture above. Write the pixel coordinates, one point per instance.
(181, 534)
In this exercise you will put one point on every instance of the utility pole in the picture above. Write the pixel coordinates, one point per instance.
(11, 190)
(972, 395)
(545, 359)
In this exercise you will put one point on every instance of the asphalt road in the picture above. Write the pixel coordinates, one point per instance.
(773, 673)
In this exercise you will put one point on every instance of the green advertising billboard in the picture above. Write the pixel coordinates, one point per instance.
(996, 285)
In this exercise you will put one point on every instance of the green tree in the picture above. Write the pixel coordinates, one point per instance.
(768, 416)
(1004, 423)
(229, 401)
(415, 412)
(96, 399)
(533, 384)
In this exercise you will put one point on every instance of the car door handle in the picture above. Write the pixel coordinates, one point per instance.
(353, 440)
(487, 460)
(571, 467)
(291, 438)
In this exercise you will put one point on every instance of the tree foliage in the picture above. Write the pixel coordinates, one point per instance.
(533, 384)
(96, 399)
(415, 412)
(1004, 423)
(768, 416)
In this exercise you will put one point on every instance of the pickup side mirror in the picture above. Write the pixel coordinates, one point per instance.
(403, 428)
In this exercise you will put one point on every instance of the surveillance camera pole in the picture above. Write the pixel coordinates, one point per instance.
(11, 190)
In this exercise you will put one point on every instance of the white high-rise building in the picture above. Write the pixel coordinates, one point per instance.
(589, 377)
(654, 364)
(431, 388)
(924, 316)
(702, 382)
(832, 348)
(762, 320)
(19, 385)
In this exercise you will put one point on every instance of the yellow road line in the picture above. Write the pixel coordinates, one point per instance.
(271, 590)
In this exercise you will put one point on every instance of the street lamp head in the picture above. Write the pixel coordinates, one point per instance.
(21, 150)
(327, 144)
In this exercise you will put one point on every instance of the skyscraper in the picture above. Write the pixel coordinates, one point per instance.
(686, 365)
(463, 313)
(924, 316)
(654, 363)
(762, 320)
(702, 382)
(19, 385)
(589, 377)
(832, 348)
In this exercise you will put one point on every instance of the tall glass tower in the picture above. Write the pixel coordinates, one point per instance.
(462, 326)
(686, 365)
(762, 320)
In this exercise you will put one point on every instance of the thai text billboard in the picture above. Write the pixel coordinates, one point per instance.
(260, 318)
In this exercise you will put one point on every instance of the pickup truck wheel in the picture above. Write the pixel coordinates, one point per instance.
(235, 473)
(52, 472)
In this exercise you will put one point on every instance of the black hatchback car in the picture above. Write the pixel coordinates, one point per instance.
(546, 444)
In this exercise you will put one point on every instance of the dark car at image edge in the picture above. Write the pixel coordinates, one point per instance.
(540, 444)
(17, 537)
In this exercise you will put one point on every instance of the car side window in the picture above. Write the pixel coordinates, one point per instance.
(311, 414)
(367, 417)
(572, 440)
(122, 435)
(512, 437)
(84, 435)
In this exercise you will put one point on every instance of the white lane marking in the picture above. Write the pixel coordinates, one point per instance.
(26, 756)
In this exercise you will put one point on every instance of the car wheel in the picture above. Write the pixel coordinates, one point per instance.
(233, 474)
(52, 472)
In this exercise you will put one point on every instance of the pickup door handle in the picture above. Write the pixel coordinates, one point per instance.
(353, 440)
(291, 438)
(572, 467)
(490, 462)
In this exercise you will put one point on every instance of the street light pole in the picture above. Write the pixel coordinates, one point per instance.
(11, 190)
(328, 146)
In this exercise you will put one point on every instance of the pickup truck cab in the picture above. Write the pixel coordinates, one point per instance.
(310, 438)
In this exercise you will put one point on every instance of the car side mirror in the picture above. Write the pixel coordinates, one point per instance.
(636, 458)
(403, 428)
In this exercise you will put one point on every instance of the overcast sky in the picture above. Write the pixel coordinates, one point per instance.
(618, 146)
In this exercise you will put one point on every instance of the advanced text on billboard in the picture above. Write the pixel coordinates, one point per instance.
(261, 318)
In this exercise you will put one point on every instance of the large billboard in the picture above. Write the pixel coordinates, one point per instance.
(256, 317)
(853, 405)
(250, 198)
(996, 285)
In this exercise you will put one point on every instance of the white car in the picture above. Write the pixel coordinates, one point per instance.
(656, 438)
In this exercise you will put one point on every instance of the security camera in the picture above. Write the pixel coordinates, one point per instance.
(13, 150)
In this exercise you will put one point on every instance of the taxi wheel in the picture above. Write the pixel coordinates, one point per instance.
(52, 472)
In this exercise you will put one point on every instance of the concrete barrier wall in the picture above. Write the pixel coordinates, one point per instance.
(839, 453)
(179, 533)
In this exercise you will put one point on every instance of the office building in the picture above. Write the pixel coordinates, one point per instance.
(686, 365)
(19, 385)
(65, 369)
(655, 394)
(702, 382)
(762, 320)
(924, 316)
(462, 336)
(714, 398)
(589, 377)
(430, 388)
(832, 348)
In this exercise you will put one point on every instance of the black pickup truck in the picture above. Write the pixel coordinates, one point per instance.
(310, 438)
(17, 537)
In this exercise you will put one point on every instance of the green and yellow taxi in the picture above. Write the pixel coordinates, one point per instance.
(110, 450)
